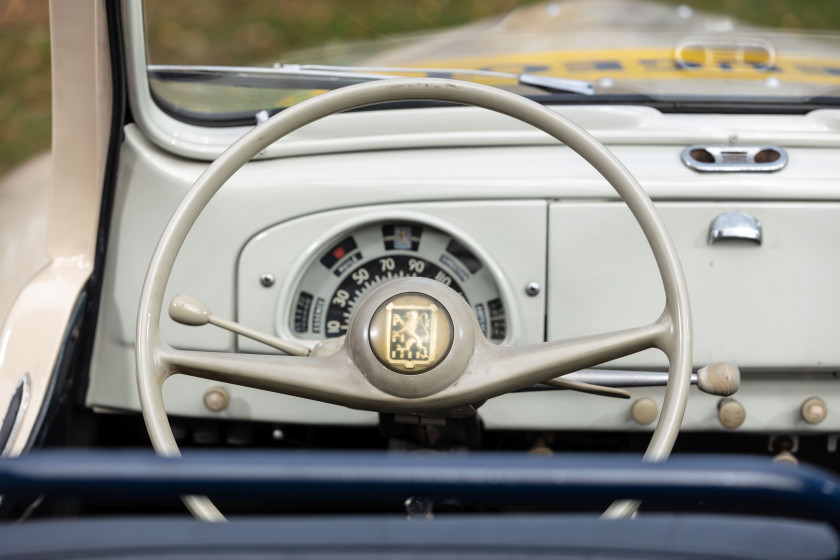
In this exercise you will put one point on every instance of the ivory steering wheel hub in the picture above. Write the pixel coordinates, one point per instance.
(410, 333)
(412, 337)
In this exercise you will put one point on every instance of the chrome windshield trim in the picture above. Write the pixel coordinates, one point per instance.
(23, 390)
(270, 75)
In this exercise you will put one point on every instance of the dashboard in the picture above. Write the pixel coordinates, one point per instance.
(532, 238)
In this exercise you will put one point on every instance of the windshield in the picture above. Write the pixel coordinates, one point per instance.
(223, 63)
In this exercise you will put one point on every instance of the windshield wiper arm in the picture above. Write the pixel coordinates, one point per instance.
(247, 76)
(548, 83)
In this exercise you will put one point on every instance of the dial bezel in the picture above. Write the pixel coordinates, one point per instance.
(291, 288)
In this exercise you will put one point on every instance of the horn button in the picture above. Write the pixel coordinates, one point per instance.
(412, 337)
(410, 333)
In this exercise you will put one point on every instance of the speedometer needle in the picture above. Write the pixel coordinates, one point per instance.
(188, 310)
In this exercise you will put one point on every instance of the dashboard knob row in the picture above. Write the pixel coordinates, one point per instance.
(731, 413)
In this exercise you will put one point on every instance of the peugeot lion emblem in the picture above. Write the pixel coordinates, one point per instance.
(411, 334)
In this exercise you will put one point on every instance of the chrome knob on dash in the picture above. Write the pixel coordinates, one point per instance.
(735, 226)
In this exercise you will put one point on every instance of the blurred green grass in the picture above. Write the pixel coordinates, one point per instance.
(815, 15)
(24, 80)
(221, 32)
(215, 32)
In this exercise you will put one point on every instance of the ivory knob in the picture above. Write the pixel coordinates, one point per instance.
(814, 410)
(216, 399)
(731, 413)
(644, 411)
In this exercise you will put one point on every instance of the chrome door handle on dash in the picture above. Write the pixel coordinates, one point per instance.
(735, 225)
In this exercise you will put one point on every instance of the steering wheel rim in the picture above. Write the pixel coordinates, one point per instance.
(674, 332)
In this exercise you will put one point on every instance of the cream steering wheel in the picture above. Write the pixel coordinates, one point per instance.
(465, 368)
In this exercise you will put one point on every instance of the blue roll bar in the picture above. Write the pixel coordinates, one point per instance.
(331, 477)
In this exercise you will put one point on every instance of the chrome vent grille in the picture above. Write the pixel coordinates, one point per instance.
(734, 159)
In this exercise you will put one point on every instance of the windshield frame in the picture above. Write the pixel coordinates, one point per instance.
(168, 132)
(204, 136)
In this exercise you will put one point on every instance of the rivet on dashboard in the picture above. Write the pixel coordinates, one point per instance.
(267, 279)
(216, 399)
(532, 289)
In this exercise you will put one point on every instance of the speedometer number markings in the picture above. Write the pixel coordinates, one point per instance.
(394, 251)
(340, 298)
(360, 276)
(443, 278)
(416, 266)
(387, 264)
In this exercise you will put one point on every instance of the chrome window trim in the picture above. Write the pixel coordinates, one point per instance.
(23, 387)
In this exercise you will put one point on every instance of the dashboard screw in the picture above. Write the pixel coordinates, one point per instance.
(532, 289)
(267, 279)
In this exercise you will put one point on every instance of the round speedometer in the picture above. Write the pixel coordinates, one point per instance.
(334, 284)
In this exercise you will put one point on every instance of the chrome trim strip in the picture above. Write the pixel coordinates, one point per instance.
(622, 378)
(23, 386)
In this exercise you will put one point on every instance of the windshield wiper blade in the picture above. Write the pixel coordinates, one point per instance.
(330, 76)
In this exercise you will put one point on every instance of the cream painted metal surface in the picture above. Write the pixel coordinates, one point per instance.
(24, 198)
(489, 371)
(768, 307)
(35, 326)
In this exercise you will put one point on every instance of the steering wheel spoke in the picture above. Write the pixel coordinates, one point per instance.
(292, 375)
(515, 367)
